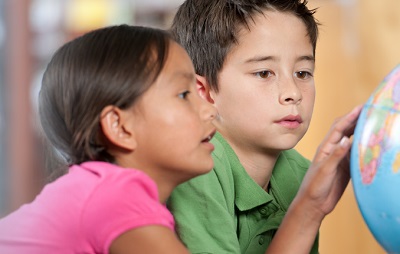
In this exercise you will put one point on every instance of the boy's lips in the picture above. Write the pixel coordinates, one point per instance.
(290, 121)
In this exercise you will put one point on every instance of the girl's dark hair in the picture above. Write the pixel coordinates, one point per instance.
(109, 66)
(207, 29)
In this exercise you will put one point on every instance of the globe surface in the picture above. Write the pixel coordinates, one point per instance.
(375, 162)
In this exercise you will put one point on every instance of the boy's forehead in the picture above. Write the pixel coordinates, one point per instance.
(270, 21)
(269, 34)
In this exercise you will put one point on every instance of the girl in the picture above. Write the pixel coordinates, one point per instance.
(120, 105)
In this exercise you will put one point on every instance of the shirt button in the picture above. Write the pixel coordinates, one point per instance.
(263, 211)
(261, 240)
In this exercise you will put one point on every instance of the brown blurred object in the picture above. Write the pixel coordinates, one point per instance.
(25, 172)
(358, 46)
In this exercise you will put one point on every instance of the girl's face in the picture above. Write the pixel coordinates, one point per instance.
(173, 125)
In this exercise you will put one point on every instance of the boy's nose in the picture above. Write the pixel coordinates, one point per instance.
(289, 92)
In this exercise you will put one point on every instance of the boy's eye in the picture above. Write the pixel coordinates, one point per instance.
(303, 74)
(184, 94)
(263, 74)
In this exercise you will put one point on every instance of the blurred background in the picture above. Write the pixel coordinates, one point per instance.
(359, 44)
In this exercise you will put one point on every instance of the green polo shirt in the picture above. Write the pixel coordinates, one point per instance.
(225, 211)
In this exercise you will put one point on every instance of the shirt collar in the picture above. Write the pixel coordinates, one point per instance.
(286, 180)
(248, 194)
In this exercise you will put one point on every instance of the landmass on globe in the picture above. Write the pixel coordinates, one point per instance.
(382, 128)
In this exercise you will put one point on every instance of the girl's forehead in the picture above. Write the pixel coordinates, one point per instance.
(178, 61)
(178, 68)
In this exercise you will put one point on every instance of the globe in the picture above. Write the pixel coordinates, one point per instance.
(375, 162)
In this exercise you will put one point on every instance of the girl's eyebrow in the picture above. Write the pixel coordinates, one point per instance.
(183, 75)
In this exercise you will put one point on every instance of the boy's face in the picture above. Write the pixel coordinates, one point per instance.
(266, 86)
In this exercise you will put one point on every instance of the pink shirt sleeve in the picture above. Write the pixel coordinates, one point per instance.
(121, 202)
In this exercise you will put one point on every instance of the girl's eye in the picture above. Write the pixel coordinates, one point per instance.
(184, 94)
(263, 74)
(303, 74)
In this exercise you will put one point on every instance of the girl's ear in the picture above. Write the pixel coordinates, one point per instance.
(203, 88)
(116, 128)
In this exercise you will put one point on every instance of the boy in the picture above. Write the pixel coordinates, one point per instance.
(254, 62)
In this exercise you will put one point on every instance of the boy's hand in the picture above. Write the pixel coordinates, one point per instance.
(321, 189)
(329, 172)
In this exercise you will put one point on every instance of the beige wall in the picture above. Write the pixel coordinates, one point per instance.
(359, 44)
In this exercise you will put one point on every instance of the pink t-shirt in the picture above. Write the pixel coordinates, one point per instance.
(84, 211)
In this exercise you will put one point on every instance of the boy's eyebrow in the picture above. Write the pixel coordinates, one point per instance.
(307, 58)
(272, 58)
(259, 59)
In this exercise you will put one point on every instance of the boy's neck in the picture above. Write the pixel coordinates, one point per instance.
(259, 166)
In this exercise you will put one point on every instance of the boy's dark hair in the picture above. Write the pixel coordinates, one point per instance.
(207, 29)
(109, 66)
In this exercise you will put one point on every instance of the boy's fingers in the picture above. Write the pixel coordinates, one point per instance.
(343, 127)
(335, 178)
(337, 156)
(339, 151)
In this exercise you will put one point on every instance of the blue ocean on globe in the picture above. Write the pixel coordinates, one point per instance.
(375, 162)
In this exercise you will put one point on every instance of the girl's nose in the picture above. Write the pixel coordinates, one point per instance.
(208, 111)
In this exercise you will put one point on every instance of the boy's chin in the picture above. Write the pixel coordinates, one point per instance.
(287, 143)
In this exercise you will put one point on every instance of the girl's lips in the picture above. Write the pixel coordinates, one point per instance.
(206, 141)
(208, 145)
(209, 137)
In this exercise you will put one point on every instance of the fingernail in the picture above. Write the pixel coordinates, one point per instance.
(344, 142)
